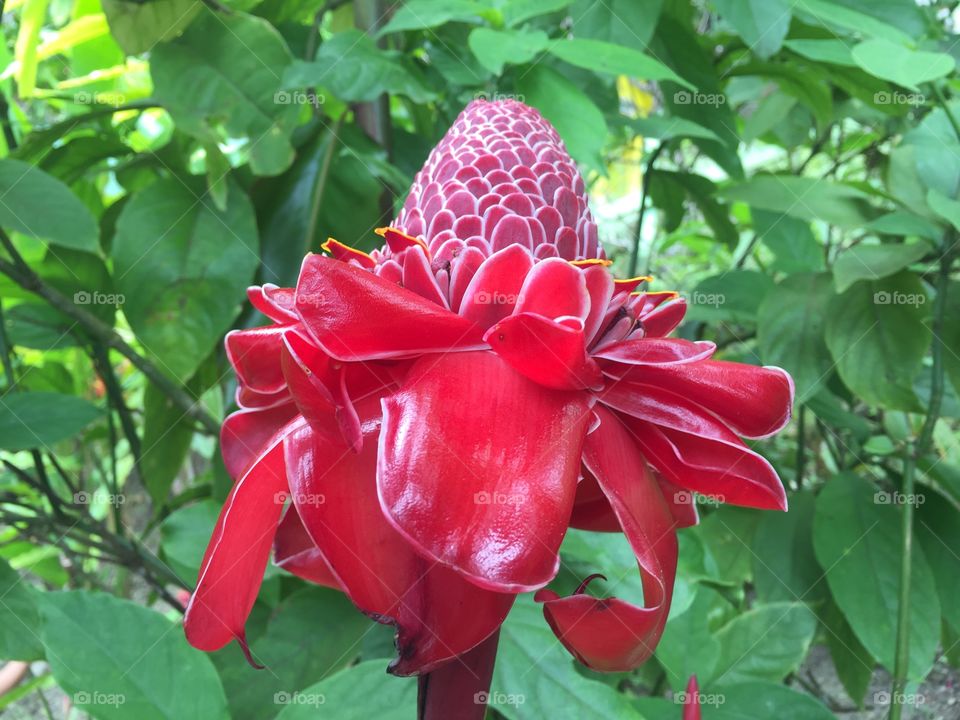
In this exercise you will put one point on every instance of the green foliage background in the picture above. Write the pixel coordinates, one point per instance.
(791, 166)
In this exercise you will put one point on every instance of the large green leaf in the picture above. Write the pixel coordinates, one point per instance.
(623, 22)
(791, 240)
(38, 205)
(878, 333)
(422, 14)
(360, 692)
(39, 419)
(183, 536)
(183, 266)
(701, 191)
(728, 533)
(833, 14)
(938, 530)
(766, 700)
(784, 566)
(516, 11)
(733, 296)
(19, 619)
(117, 659)
(899, 64)
(296, 659)
(852, 661)
(353, 68)
(574, 115)
(535, 677)
(687, 646)
(496, 48)
(790, 329)
(605, 57)
(803, 197)
(950, 337)
(137, 27)
(762, 24)
(872, 262)
(856, 537)
(221, 79)
(167, 432)
(765, 643)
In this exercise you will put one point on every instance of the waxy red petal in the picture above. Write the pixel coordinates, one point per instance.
(550, 353)
(255, 356)
(295, 551)
(492, 293)
(695, 450)
(754, 402)
(356, 315)
(478, 467)
(438, 614)
(554, 288)
(591, 509)
(274, 302)
(234, 562)
(664, 319)
(612, 635)
(654, 351)
(245, 433)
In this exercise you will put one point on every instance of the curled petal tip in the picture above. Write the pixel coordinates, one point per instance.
(582, 588)
(242, 641)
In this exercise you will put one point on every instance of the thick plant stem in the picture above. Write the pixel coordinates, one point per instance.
(645, 191)
(914, 451)
(461, 688)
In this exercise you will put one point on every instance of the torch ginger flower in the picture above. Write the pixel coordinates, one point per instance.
(442, 409)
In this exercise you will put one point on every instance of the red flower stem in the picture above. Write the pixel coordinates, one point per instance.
(460, 688)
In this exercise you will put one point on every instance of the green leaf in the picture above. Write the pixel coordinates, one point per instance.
(728, 533)
(856, 537)
(167, 433)
(217, 88)
(423, 14)
(733, 296)
(892, 61)
(762, 24)
(873, 262)
(138, 27)
(622, 22)
(951, 334)
(791, 241)
(39, 419)
(832, 14)
(769, 115)
(902, 224)
(117, 659)
(357, 693)
(605, 57)
(765, 643)
(878, 333)
(535, 677)
(184, 535)
(183, 266)
(790, 330)
(784, 566)
(354, 69)
(687, 646)
(19, 619)
(574, 115)
(701, 192)
(766, 700)
(664, 127)
(295, 660)
(516, 11)
(937, 525)
(947, 208)
(830, 51)
(804, 198)
(38, 205)
(852, 661)
(496, 48)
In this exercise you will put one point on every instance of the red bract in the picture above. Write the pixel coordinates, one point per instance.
(442, 410)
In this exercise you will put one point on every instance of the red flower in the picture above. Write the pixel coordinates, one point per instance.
(442, 410)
